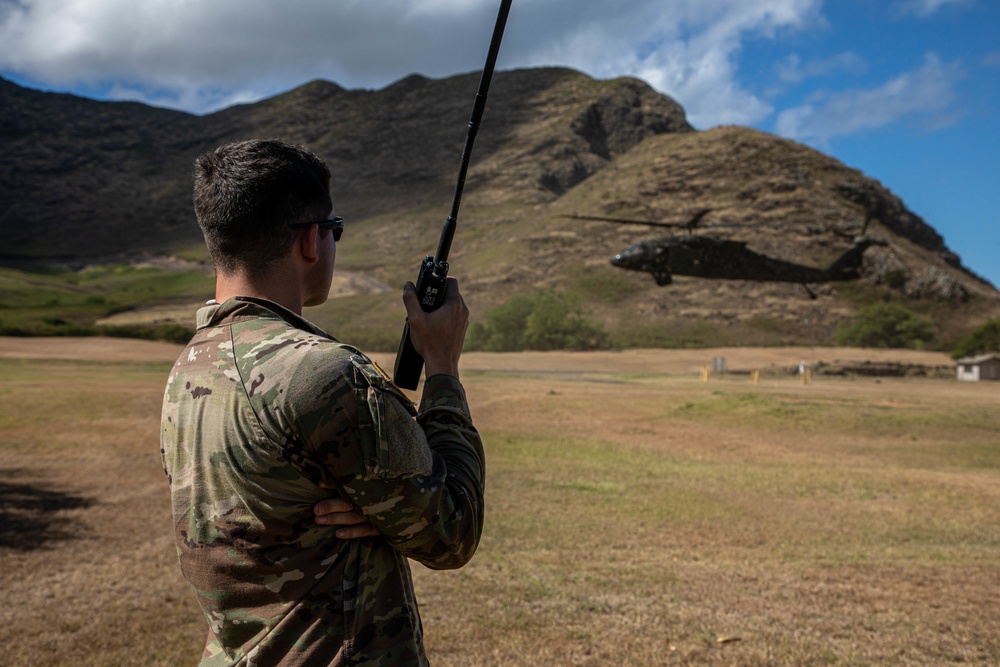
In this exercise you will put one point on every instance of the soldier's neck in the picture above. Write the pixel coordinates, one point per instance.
(281, 289)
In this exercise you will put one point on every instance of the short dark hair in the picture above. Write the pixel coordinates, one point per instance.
(246, 194)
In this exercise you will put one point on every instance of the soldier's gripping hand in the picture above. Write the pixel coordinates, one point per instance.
(339, 512)
(439, 335)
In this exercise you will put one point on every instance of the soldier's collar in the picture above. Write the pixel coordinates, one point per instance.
(249, 307)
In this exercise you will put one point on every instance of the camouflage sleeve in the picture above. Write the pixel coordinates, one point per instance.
(420, 480)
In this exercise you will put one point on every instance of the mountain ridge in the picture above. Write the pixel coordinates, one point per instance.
(109, 179)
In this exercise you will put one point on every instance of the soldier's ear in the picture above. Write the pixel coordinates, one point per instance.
(307, 244)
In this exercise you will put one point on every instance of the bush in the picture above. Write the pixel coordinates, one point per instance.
(546, 320)
(886, 325)
(172, 333)
(895, 278)
(984, 339)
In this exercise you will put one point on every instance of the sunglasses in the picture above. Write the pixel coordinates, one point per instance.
(335, 223)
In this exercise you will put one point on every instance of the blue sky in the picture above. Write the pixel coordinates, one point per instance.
(907, 91)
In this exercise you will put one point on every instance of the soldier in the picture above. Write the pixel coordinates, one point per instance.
(265, 416)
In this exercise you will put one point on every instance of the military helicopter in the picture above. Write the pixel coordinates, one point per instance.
(709, 257)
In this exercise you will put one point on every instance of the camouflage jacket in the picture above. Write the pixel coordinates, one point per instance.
(260, 408)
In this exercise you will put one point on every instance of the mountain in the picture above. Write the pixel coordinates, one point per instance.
(104, 178)
(82, 178)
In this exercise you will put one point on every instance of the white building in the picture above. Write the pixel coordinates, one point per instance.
(982, 367)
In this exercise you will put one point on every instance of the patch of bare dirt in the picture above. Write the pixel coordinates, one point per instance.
(346, 283)
(673, 362)
(168, 314)
(669, 362)
(355, 283)
(90, 349)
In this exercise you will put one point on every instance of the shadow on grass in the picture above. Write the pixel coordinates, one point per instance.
(29, 513)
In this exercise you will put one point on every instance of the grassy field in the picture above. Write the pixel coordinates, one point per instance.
(60, 302)
(636, 514)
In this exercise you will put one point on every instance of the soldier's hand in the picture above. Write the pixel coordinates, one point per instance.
(439, 335)
(339, 512)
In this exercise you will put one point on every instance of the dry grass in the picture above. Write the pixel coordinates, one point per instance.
(637, 516)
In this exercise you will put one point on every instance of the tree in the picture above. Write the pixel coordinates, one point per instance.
(886, 325)
(545, 320)
(984, 339)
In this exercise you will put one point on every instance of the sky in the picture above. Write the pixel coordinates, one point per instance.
(907, 91)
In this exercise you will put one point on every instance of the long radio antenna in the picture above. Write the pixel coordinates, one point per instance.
(432, 282)
(448, 232)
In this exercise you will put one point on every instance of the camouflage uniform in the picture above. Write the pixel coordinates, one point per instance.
(259, 409)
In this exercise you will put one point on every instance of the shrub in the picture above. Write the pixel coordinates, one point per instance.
(172, 333)
(984, 339)
(546, 320)
(886, 325)
(895, 278)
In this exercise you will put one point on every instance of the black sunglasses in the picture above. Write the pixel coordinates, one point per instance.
(335, 223)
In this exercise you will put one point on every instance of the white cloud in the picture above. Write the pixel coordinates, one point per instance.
(926, 94)
(687, 49)
(199, 55)
(793, 70)
(190, 51)
(925, 8)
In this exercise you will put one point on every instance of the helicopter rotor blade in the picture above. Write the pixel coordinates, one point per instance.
(690, 225)
(625, 221)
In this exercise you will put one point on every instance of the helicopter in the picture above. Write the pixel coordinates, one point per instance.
(709, 257)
